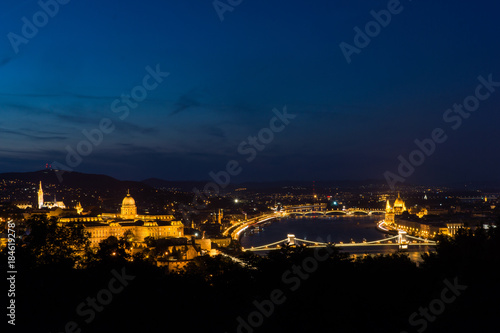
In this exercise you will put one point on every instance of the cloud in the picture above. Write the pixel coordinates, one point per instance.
(215, 131)
(32, 136)
(77, 119)
(134, 128)
(183, 103)
(22, 108)
(94, 120)
(5, 60)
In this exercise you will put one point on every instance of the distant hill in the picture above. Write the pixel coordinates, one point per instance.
(104, 182)
(367, 184)
(486, 186)
(268, 185)
(309, 184)
(186, 186)
(73, 180)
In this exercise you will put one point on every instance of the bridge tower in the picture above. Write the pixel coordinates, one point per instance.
(402, 240)
(291, 239)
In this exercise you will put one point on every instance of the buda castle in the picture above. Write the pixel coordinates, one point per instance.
(128, 211)
(128, 222)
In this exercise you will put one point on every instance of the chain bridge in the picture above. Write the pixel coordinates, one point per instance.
(402, 240)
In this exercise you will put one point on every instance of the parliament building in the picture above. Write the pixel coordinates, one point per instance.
(396, 209)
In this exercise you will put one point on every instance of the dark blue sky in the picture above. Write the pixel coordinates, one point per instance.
(352, 121)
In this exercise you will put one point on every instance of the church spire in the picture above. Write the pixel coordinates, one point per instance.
(40, 196)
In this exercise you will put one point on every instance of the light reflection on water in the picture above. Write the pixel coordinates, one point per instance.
(331, 229)
(415, 256)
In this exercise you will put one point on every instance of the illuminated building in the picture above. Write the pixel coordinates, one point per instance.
(128, 221)
(79, 209)
(40, 196)
(391, 211)
(427, 230)
(23, 204)
(128, 211)
(219, 216)
(48, 204)
(174, 263)
(399, 206)
(54, 204)
(419, 211)
(138, 230)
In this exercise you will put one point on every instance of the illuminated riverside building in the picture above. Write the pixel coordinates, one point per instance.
(428, 229)
(138, 230)
(399, 206)
(416, 227)
(138, 227)
(396, 209)
(419, 211)
(128, 211)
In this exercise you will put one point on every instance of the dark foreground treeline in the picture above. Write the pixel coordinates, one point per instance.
(292, 290)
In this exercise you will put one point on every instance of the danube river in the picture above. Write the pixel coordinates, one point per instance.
(327, 229)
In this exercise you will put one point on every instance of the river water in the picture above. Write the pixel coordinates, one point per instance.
(334, 229)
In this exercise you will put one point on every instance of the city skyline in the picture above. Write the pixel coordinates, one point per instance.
(250, 166)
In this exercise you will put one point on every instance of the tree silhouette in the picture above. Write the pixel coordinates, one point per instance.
(48, 242)
(113, 249)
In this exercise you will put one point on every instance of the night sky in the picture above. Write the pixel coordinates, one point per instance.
(352, 119)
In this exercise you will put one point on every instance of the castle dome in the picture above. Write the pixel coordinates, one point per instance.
(129, 209)
(128, 201)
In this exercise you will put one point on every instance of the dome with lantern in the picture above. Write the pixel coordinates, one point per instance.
(128, 209)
